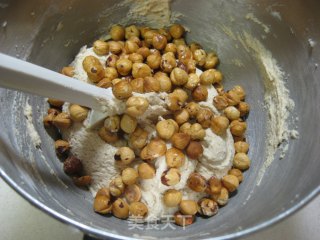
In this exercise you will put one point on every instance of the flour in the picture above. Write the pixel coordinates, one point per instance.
(35, 138)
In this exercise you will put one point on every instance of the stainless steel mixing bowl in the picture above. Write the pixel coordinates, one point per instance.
(50, 33)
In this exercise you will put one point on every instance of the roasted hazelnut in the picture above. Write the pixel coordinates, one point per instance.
(138, 209)
(194, 46)
(171, 47)
(68, 71)
(129, 176)
(238, 128)
(171, 177)
(193, 81)
(222, 197)
(199, 55)
(244, 109)
(112, 60)
(164, 81)
(179, 42)
(180, 140)
(148, 37)
(183, 220)
(116, 187)
(93, 68)
(136, 58)
(176, 31)
(55, 102)
(131, 47)
(83, 181)
(146, 171)
(168, 62)
(217, 76)
(175, 158)
(232, 98)
(110, 73)
(208, 77)
(165, 33)
(156, 148)
(78, 113)
(153, 61)
(62, 121)
(151, 84)
(138, 139)
(100, 47)
(232, 113)
(115, 47)
(219, 125)
(214, 186)
(112, 123)
(103, 192)
(240, 91)
(181, 116)
(72, 166)
(132, 193)
(211, 61)
(120, 209)
(197, 182)
(117, 32)
(136, 106)
(137, 85)
(194, 150)
(144, 52)
(230, 182)
(191, 66)
(196, 132)
(48, 119)
(172, 198)
(165, 129)
(208, 207)
(124, 66)
(220, 102)
(159, 41)
(178, 77)
(140, 70)
(132, 31)
(204, 116)
(241, 161)
(62, 147)
(241, 147)
(219, 88)
(108, 136)
(192, 108)
(143, 30)
(122, 90)
(188, 207)
(102, 204)
(200, 93)
(236, 172)
(177, 99)
(125, 155)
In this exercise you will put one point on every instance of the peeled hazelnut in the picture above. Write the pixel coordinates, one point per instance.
(214, 186)
(136, 58)
(181, 116)
(137, 85)
(230, 182)
(138, 209)
(144, 52)
(129, 176)
(120, 209)
(196, 132)
(192, 108)
(151, 84)
(244, 109)
(241, 147)
(124, 66)
(199, 56)
(183, 220)
(102, 204)
(103, 192)
(72, 165)
(78, 113)
(194, 150)
(241, 161)
(159, 41)
(146, 171)
(171, 47)
(180, 140)
(105, 83)
(200, 93)
(184, 53)
(100, 47)
(179, 42)
(108, 136)
(138, 139)
(116, 187)
(176, 31)
(222, 197)
(168, 62)
(188, 207)
(62, 147)
(132, 31)
(211, 60)
(219, 125)
(132, 193)
(125, 155)
(112, 123)
(156, 148)
(177, 99)
(220, 102)
(204, 117)
(208, 77)
(178, 76)
(122, 90)
(208, 207)
(115, 47)
(131, 47)
(193, 81)
(83, 181)
(237, 173)
(62, 121)
(197, 182)
(112, 60)
(68, 71)
(117, 32)
(93, 68)
(165, 129)
(55, 102)
(111, 73)
(128, 124)
(240, 91)
(232, 113)
(175, 158)
(238, 128)
(171, 177)
(140, 70)
(164, 81)
(136, 106)
(232, 98)
(172, 197)
(153, 61)
(194, 46)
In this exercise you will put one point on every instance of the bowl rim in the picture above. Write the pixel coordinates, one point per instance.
(99, 233)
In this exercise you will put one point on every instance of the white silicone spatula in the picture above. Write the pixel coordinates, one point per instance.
(27, 77)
